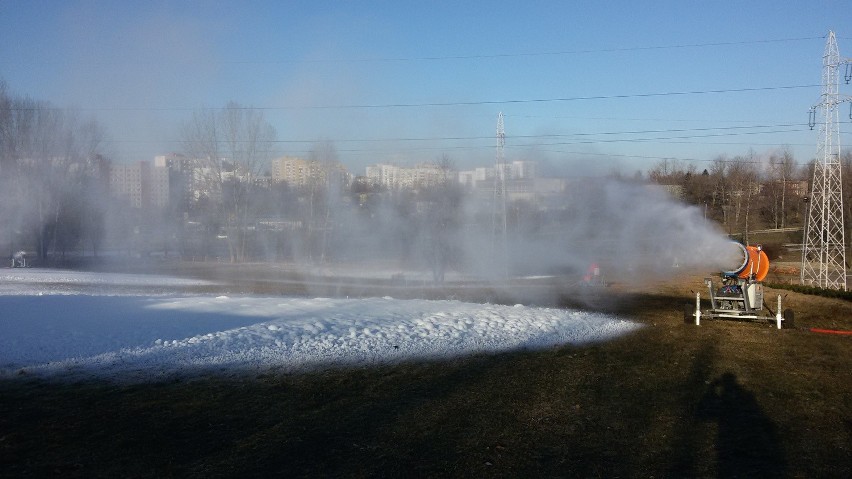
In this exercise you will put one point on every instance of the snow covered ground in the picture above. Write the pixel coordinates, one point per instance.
(69, 324)
(35, 281)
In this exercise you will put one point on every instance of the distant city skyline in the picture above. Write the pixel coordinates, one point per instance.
(585, 89)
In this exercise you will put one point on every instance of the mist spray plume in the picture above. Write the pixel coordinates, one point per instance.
(444, 238)
(637, 232)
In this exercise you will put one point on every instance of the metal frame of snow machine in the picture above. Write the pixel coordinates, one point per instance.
(741, 294)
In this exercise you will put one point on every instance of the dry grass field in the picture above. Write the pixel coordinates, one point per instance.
(725, 399)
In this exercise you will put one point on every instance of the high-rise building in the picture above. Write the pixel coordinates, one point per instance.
(293, 170)
(393, 176)
(141, 184)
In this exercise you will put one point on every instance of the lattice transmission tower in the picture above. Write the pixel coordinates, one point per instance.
(824, 250)
(498, 216)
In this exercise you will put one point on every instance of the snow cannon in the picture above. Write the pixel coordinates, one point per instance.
(754, 263)
(19, 259)
(740, 296)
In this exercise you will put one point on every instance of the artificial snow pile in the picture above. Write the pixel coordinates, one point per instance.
(150, 337)
(44, 281)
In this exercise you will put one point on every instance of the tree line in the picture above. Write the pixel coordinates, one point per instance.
(750, 192)
(51, 177)
(54, 196)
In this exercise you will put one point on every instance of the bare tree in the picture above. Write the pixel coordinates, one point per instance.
(47, 158)
(8, 189)
(743, 178)
(325, 192)
(6, 137)
(719, 175)
(667, 171)
(230, 147)
(781, 170)
(846, 185)
(442, 219)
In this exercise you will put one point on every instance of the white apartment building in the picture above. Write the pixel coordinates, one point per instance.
(393, 176)
(301, 172)
(293, 170)
(381, 174)
(142, 185)
(524, 170)
(516, 170)
(174, 162)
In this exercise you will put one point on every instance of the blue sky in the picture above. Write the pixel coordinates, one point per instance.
(586, 87)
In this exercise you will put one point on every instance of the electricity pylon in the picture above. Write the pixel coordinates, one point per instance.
(824, 246)
(498, 216)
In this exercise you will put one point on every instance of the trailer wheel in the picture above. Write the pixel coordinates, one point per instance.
(788, 322)
(688, 313)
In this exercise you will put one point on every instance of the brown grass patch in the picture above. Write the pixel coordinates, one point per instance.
(671, 400)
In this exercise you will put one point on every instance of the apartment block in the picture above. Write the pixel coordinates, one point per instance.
(141, 184)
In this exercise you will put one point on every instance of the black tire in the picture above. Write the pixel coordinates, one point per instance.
(689, 313)
(788, 322)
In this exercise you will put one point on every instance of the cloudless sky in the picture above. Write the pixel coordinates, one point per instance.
(585, 87)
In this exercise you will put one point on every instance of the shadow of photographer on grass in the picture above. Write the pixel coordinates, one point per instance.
(747, 443)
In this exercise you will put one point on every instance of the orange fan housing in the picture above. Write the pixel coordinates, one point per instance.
(757, 264)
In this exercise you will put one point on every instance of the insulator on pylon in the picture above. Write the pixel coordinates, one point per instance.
(811, 118)
(848, 75)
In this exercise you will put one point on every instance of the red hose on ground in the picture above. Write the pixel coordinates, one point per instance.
(831, 331)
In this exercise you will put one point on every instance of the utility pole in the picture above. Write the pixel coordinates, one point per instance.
(498, 217)
(823, 249)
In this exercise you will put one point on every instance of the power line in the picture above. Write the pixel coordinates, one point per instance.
(541, 136)
(442, 104)
(542, 100)
(482, 56)
(591, 51)
(582, 142)
(432, 58)
(649, 157)
(615, 118)
(647, 140)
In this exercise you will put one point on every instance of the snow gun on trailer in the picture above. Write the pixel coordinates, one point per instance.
(740, 295)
